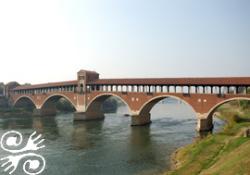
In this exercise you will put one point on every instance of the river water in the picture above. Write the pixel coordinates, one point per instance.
(111, 146)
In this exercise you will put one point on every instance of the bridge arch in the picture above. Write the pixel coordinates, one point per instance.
(24, 97)
(48, 107)
(216, 106)
(96, 102)
(148, 105)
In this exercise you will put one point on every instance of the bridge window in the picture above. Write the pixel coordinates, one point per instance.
(178, 89)
(232, 90)
(172, 89)
(192, 89)
(92, 88)
(139, 88)
(165, 89)
(135, 89)
(100, 87)
(88, 88)
(104, 88)
(242, 90)
(108, 89)
(216, 90)
(81, 77)
(186, 90)
(81, 88)
(224, 90)
(114, 88)
(208, 89)
(145, 89)
(97, 87)
(158, 88)
(124, 88)
(118, 89)
(200, 90)
(129, 88)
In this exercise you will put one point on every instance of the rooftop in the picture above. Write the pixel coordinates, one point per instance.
(52, 84)
(176, 81)
(208, 81)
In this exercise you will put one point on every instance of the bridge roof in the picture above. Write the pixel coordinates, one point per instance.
(45, 85)
(221, 81)
(229, 81)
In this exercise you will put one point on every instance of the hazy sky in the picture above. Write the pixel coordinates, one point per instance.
(50, 40)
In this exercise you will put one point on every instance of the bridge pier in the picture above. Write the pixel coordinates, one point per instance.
(140, 120)
(204, 123)
(45, 112)
(37, 112)
(87, 116)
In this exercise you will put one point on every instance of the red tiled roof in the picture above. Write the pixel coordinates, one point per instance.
(53, 84)
(222, 81)
(175, 81)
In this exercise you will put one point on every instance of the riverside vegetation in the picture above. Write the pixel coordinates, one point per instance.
(223, 153)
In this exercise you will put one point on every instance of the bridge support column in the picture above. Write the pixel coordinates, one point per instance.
(140, 120)
(45, 112)
(204, 123)
(87, 116)
(37, 112)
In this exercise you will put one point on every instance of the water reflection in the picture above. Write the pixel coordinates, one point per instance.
(15, 123)
(109, 146)
(85, 134)
(142, 151)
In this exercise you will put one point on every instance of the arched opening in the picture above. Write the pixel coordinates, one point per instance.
(57, 103)
(147, 107)
(168, 111)
(81, 88)
(106, 104)
(234, 110)
(25, 103)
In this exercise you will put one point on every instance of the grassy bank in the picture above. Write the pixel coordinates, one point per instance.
(224, 153)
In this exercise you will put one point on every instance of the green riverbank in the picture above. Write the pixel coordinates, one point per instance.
(223, 153)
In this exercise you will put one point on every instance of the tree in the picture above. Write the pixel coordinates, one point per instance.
(1, 88)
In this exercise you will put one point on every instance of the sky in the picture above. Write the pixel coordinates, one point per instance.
(50, 40)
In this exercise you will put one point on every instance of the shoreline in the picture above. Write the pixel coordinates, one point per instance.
(174, 162)
(216, 151)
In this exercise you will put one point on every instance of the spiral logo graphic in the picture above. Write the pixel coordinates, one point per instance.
(34, 163)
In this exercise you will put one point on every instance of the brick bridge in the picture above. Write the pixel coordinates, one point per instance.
(88, 92)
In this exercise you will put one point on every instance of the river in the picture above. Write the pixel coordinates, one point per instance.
(111, 146)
